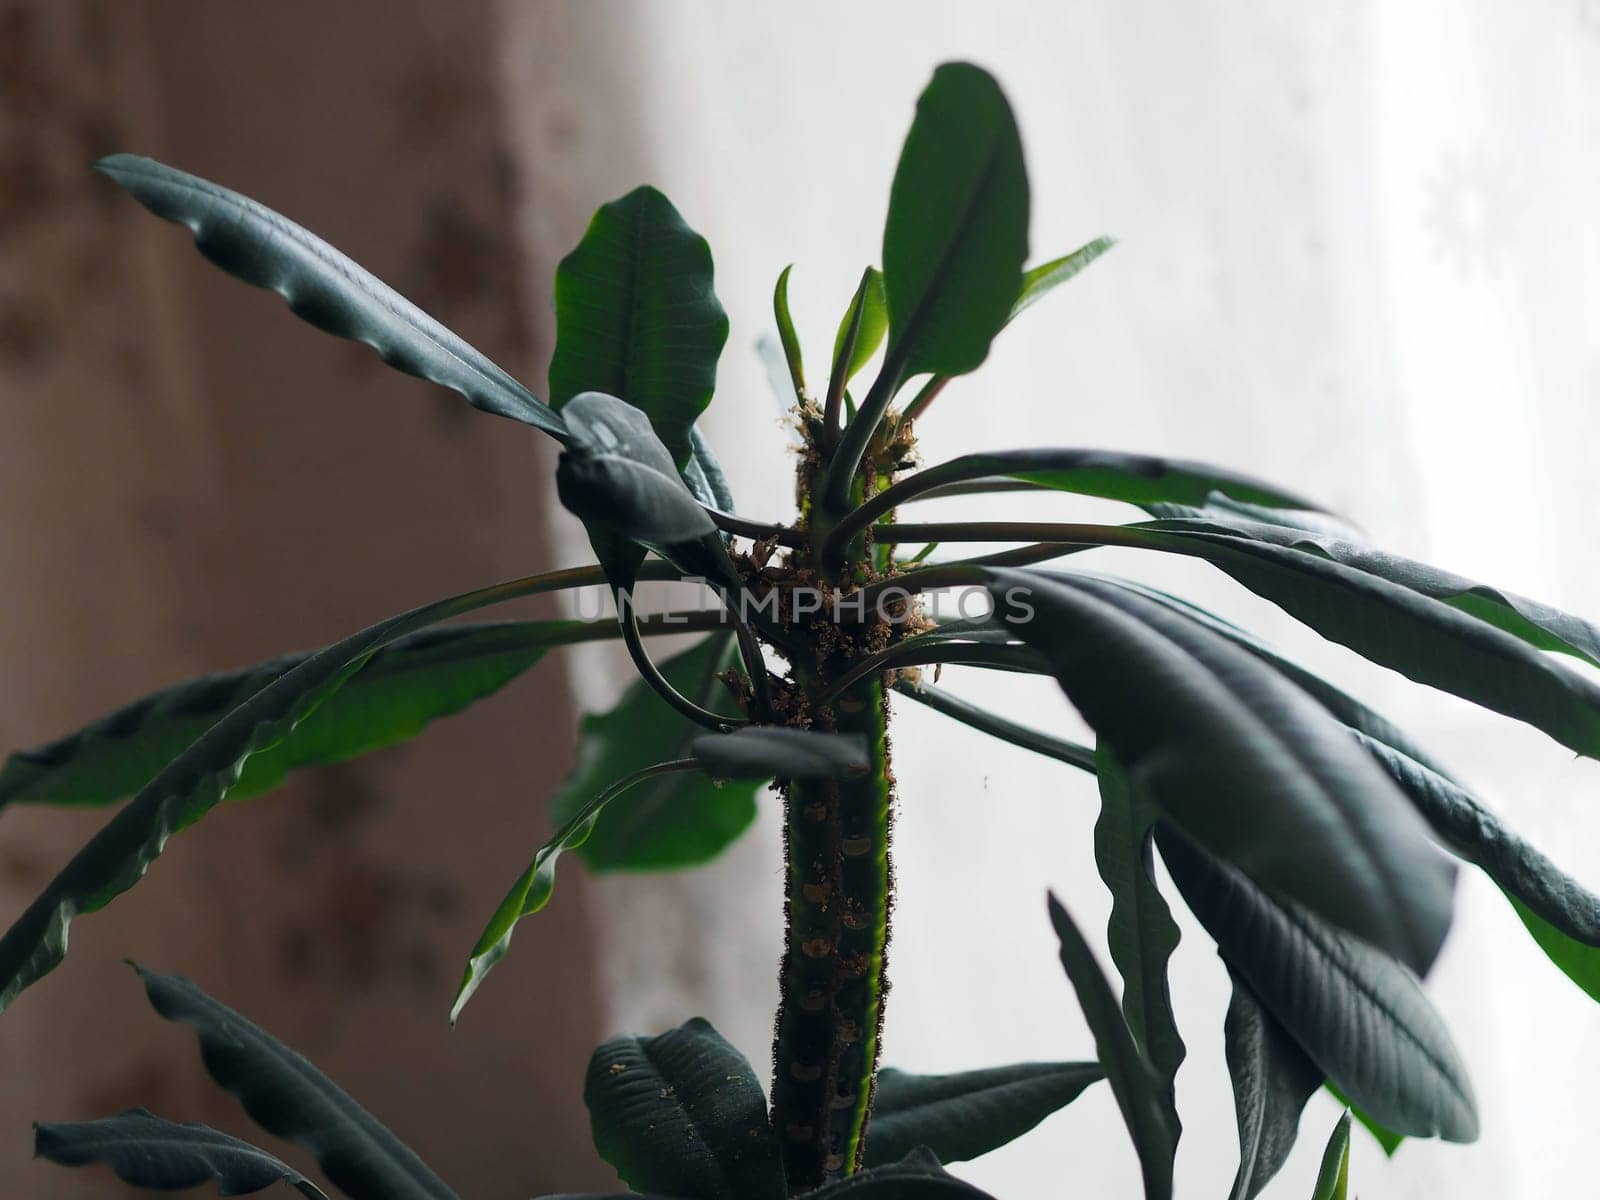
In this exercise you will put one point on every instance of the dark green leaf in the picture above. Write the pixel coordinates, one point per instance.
(1139, 1089)
(861, 330)
(704, 465)
(1424, 638)
(291, 1099)
(1477, 835)
(197, 780)
(1140, 933)
(681, 820)
(1038, 282)
(963, 1116)
(147, 1152)
(1358, 1014)
(1344, 707)
(957, 232)
(683, 1114)
(1537, 624)
(1334, 1177)
(787, 335)
(323, 287)
(417, 679)
(620, 481)
(533, 888)
(1139, 479)
(767, 751)
(1242, 760)
(1272, 1080)
(637, 316)
(918, 1176)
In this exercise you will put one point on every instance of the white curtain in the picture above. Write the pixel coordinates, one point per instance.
(1356, 251)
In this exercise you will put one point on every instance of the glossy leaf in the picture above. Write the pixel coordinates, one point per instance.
(637, 317)
(1424, 638)
(1333, 1179)
(1358, 1014)
(1139, 479)
(1536, 624)
(197, 780)
(415, 680)
(1477, 835)
(965, 1115)
(683, 1114)
(679, 820)
(704, 475)
(1272, 1080)
(619, 480)
(861, 330)
(534, 887)
(957, 231)
(1240, 759)
(765, 752)
(1141, 932)
(918, 1176)
(1038, 282)
(787, 336)
(289, 1098)
(323, 287)
(1139, 1089)
(147, 1152)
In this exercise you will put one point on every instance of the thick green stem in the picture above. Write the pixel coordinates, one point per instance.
(838, 885)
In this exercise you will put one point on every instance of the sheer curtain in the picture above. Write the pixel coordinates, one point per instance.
(1356, 252)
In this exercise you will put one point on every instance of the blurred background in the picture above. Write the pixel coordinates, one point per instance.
(1358, 253)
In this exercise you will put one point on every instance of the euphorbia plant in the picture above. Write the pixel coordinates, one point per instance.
(1312, 839)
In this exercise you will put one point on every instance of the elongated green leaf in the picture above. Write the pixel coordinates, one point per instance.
(1344, 707)
(1140, 479)
(1141, 933)
(1357, 1013)
(679, 820)
(1138, 1087)
(963, 1116)
(323, 287)
(861, 330)
(291, 1099)
(786, 334)
(1578, 960)
(683, 1114)
(1242, 760)
(1422, 637)
(619, 480)
(533, 888)
(1388, 1140)
(764, 752)
(415, 680)
(147, 1152)
(197, 780)
(1333, 1179)
(995, 725)
(637, 316)
(957, 232)
(918, 1176)
(1272, 1080)
(1537, 624)
(1478, 836)
(1038, 282)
